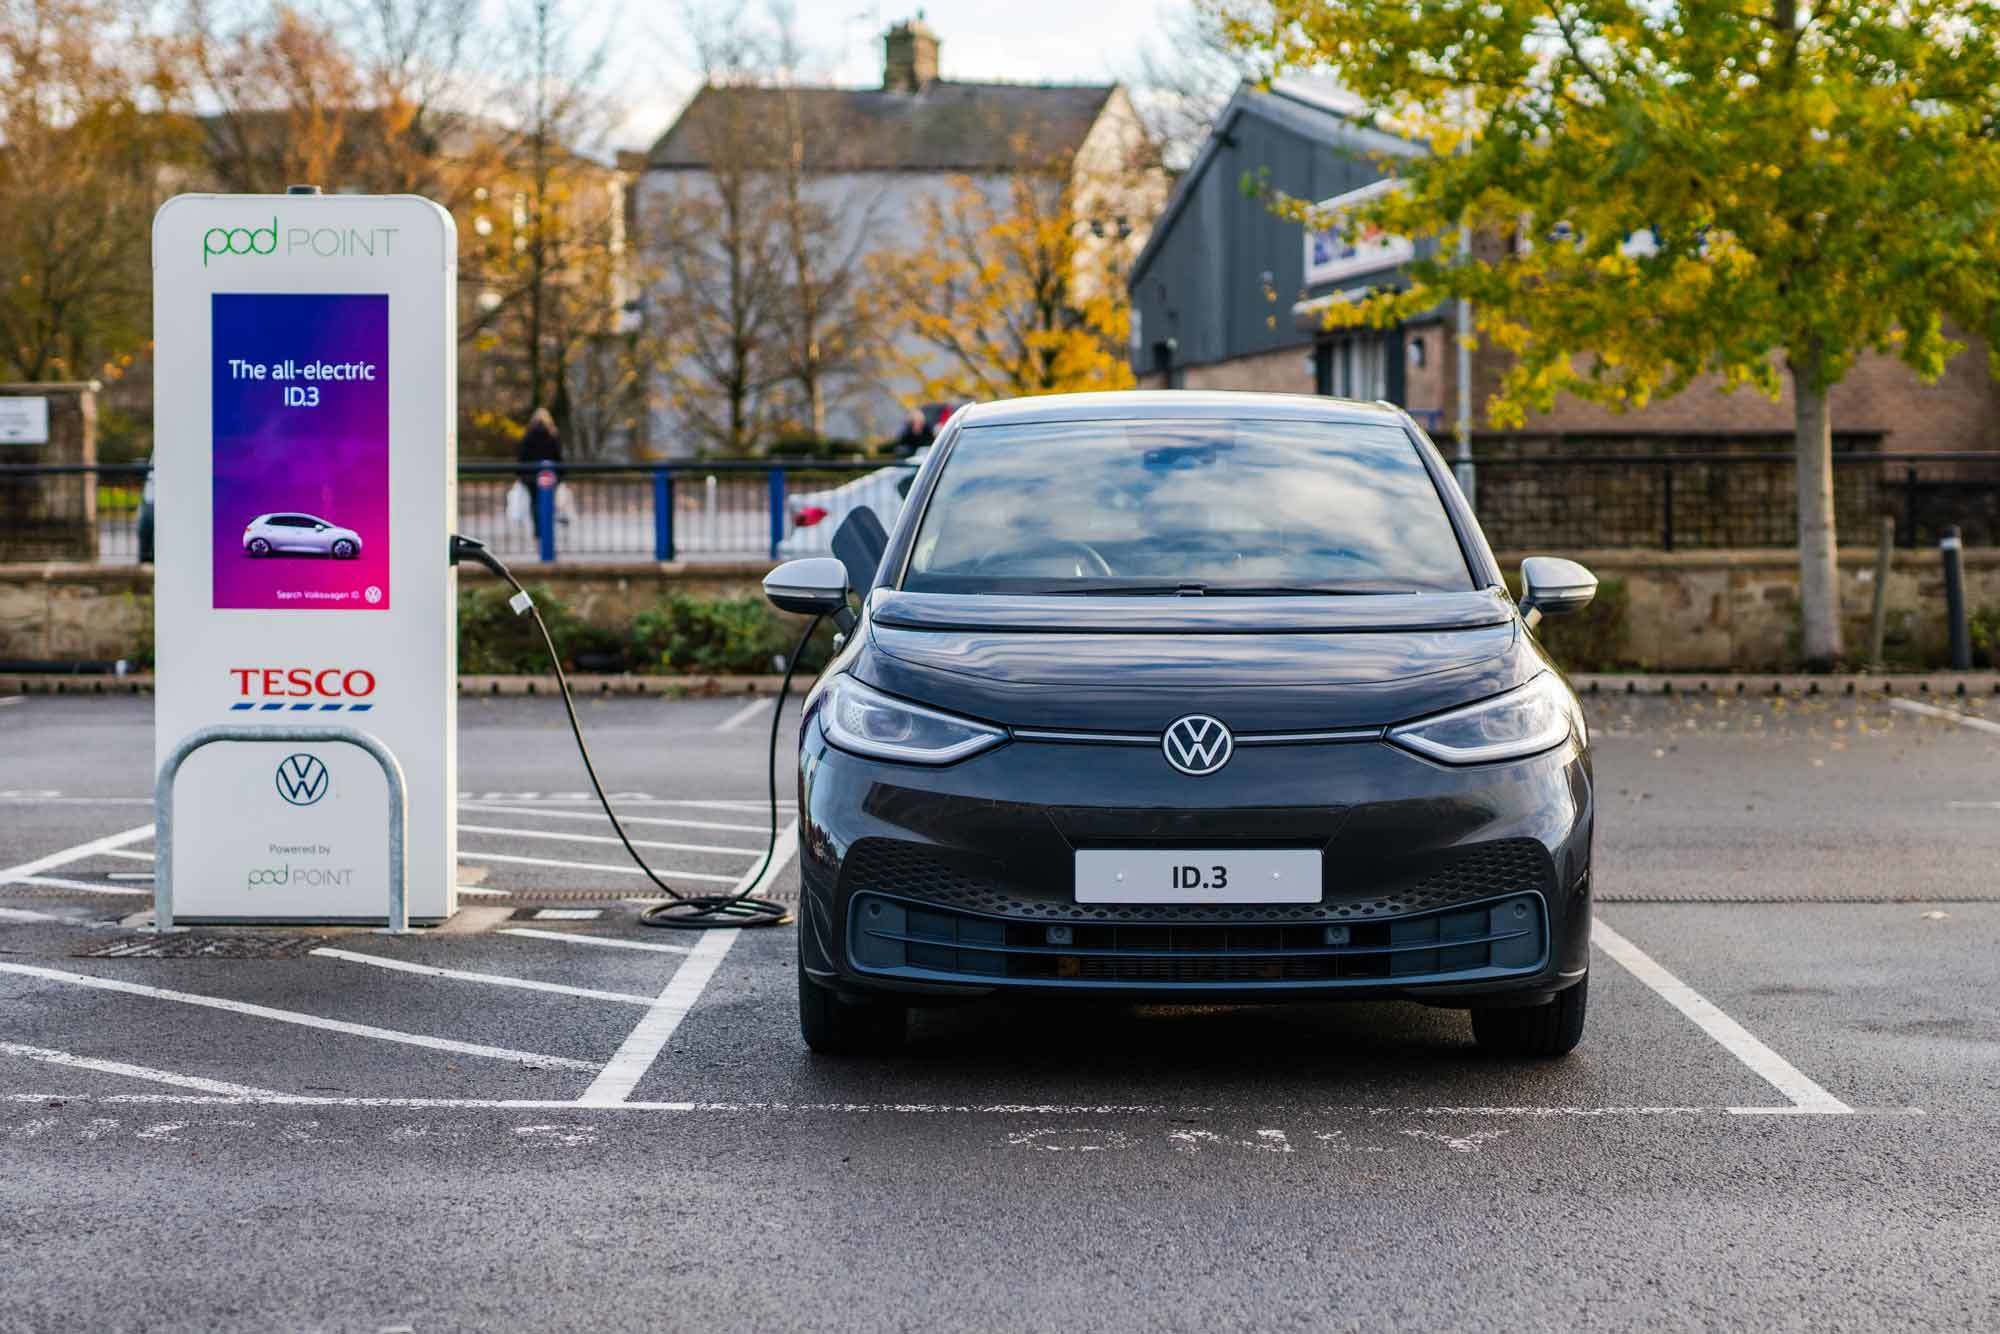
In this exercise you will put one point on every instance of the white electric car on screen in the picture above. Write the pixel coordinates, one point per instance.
(299, 535)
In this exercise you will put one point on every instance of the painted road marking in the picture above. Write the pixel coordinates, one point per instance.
(606, 867)
(578, 938)
(885, 1108)
(490, 979)
(635, 1056)
(57, 882)
(74, 1062)
(557, 837)
(5, 700)
(599, 817)
(23, 915)
(530, 799)
(128, 854)
(295, 1017)
(743, 715)
(1951, 715)
(1773, 1069)
(568, 914)
(75, 854)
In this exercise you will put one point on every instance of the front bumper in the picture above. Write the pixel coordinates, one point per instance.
(1443, 884)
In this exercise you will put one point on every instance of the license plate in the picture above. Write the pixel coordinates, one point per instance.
(1182, 875)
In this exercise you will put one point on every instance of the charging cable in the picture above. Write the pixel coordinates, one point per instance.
(684, 910)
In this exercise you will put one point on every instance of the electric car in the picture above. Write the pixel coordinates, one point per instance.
(299, 535)
(815, 515)
(1181, 696)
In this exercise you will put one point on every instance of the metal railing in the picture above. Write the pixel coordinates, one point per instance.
(760, 509)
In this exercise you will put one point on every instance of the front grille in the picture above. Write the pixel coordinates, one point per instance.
(1503, 937)
(1466, 875)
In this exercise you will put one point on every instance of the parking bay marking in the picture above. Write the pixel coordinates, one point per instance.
(556, 836)
(296, 1017)
(1806, 1097)
(612, 942)
(489, 979)
(743, 715)
(642, 1046)
(1950, 715)
(598, 816)
(51, 1056)
(74, 854)
(607, 868)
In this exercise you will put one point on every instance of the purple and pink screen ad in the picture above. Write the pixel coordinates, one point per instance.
(301, 451)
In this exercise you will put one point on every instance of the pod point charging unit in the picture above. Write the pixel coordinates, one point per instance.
(305, 458)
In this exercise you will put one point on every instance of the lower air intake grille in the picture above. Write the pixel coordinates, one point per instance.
(1502, 937)
(1464, 875)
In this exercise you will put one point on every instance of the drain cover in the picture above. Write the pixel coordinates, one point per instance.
(205, 945)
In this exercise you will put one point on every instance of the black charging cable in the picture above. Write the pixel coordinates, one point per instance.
(683, 910)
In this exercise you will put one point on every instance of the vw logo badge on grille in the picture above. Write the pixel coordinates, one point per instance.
(1197, 744)
(302, 779)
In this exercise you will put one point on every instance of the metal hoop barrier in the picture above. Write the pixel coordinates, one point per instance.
(163, 809)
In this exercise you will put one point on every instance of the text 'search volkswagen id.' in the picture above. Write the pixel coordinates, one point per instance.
(1191, 696)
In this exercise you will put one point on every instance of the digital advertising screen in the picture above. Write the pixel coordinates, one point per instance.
(301, 451)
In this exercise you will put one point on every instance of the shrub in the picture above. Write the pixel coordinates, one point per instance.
(730, 635)
(1985, 626)
(678, 634)
(493, 640)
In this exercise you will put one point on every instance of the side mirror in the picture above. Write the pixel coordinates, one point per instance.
(815, 586)
(858, 544)
(1552, 586)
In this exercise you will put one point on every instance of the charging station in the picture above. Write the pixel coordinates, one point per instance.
(305, 455)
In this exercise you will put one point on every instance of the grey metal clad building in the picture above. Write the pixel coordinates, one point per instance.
(1226, 294)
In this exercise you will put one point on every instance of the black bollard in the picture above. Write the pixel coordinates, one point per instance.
(1953, 551)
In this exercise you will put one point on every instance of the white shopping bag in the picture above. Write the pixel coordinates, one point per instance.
(517, 503)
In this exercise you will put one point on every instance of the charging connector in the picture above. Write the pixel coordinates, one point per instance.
(693, 911)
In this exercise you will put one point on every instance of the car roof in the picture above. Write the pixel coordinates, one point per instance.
(1182, 404)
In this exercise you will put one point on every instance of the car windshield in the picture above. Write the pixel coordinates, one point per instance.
(1165, 507)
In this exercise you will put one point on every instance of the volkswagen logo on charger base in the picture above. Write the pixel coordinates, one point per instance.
(1197, 744)
(302, 779)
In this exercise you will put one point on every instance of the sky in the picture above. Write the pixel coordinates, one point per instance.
(1027, 41)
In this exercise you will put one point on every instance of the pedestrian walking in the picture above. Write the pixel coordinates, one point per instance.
(540, 443)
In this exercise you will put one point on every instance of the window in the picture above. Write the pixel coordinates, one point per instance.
(1354, 366)
(1110, 506)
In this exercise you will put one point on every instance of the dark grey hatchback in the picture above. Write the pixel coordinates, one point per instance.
(1189, 696)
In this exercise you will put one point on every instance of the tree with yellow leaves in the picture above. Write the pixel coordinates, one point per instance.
(1758, 190)
(1004, 296)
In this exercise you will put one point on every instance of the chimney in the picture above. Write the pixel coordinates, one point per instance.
(909, 56)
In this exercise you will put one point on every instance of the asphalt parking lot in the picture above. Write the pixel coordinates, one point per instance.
(1783, 1112)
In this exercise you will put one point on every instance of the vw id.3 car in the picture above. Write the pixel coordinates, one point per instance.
(299, 535)
(1199, 697)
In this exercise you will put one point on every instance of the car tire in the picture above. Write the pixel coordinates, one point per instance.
(343, 550)
(833, 1025)
(1538, 1032)
(259, 547)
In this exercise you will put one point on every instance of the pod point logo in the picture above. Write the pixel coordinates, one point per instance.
(302, 779)
(323, 242)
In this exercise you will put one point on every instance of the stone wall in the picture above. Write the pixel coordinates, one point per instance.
(1687, 611)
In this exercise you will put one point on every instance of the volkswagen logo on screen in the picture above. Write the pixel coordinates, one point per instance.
(302, 779)
(1197, 744)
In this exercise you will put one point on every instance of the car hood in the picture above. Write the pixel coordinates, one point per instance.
(1135, 664)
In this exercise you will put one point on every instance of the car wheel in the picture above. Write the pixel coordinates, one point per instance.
(1541, 1032)
(259, 547)
(343, 550)
(836, 1026)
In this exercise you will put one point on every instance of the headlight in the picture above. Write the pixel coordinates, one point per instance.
(1533, 718)
(868, 722)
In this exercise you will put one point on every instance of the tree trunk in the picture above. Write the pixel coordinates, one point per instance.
(1819, 576)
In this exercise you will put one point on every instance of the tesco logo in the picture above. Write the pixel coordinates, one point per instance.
(327, 689)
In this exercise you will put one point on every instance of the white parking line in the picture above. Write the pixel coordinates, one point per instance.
(75, 854)
(635, 1056)
(295, 1017)
(599, 817)
(489, 979)
(1738, 1041)
(57, 882)
(5, 700)
(128, 855)
(1952, 715)
(557, 837)
(743, 715)
(579, 938)
(23, 915)
(608, 868)
(74, 1062)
